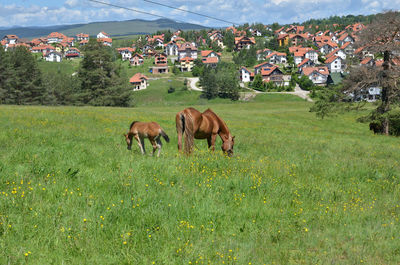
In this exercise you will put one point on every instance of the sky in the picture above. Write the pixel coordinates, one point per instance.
(58, 12)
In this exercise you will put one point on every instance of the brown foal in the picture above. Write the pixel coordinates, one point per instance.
(141, 130)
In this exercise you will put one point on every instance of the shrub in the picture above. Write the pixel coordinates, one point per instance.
(171, 89)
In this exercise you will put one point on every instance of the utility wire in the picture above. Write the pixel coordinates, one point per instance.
(188, 11)
(155, 15)
(131, 9)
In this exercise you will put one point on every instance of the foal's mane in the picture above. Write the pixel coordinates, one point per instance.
(130, 127)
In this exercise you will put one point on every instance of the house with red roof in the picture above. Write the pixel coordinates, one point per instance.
(55, 37)
(105, 41)
(368, 61)
(171, 48)
(326, 47)
(232, 29)
(148, 50)
(337, 52)
(258, 67)
(139, 81)
(283, 39)
(345, 38)
(103, 35)
(82, 36)
(187, 49)
(126, 52)
(280, 31)
(245, 75)
(335, 64)
(44, 49)
(348, 48)
(296, 39)
(83, 42)
(72, 53)
(277, 58)
(318, 75)
(136, 59)
(305, 63)
(273, 74)
(261, 54)
(156, 41)
(244, 42)
(186, 64)
(53, 56)
(161, 64)
(10, 39)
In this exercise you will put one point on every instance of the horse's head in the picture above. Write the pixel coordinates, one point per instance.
(128, 138)
(227, 145)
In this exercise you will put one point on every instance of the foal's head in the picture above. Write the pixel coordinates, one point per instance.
(128, 138)
(227, 145)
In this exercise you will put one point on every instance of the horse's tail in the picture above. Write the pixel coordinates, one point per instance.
(187, 121)
(164, 135)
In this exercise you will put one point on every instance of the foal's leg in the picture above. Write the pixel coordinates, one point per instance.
(154, 144)
(140, 141)
(159, 145)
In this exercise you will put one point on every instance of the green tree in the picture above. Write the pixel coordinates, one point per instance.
(208, 82)
(5, 75)
(220, 82)
(305, 83)
(25, 86)
(258, 83)
(229, 40)
(103, 83)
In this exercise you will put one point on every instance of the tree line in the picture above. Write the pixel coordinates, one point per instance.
(99, 81)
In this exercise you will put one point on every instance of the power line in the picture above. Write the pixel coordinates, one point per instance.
(188, 11)
(155, 15)
(131, 9)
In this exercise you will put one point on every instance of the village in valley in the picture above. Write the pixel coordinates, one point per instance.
(283, 57)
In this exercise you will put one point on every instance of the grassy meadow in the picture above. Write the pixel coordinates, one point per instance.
(299, 190)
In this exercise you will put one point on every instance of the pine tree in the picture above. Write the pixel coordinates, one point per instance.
(26, 83)
(5, 75)
(229, 40)
(103, 83)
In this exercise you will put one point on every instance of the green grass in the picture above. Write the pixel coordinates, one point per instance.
(66, 66)
(299, 190)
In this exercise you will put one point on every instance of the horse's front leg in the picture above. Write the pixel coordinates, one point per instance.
(140, 141)
(213, 138)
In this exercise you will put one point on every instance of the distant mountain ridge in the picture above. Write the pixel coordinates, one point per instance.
(114, 28)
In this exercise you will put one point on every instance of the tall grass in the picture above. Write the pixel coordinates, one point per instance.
(298, 190)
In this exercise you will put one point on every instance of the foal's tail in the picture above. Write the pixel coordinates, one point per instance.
(164, 135)
(187, 122)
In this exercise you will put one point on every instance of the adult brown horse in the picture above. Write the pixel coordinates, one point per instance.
(141, 130)
(206, 125)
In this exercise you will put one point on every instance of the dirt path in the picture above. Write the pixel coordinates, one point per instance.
(297, 92)
(192, 82)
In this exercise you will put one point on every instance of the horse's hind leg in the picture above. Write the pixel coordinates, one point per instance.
(179, 129)
(159, 145)
(154, 144)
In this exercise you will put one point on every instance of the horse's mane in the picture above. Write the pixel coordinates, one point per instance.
(130, 127)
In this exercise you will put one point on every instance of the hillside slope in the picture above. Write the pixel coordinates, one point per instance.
(114, 28)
